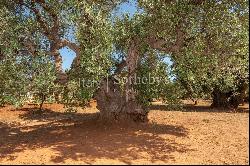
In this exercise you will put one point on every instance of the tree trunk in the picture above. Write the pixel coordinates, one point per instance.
(225, 100)
(118, 104)
(113, 104)
(230, 99)
(43, 97)
(61, 77)
(243, 92)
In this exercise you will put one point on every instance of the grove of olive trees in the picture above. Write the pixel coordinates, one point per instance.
(207, 41)
(124, 82)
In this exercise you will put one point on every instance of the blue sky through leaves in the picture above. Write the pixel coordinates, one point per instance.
(129, 7)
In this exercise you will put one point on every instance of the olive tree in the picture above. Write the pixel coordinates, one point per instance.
(176, 28)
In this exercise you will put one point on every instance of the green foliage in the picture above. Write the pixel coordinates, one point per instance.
(26, 76)
(218, 57)
(152, 78)
(95, 36)
(213, 54)
(42, 77)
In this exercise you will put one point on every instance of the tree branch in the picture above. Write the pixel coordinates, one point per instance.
(72, 46)
(52, 13)
(120, 66)
(39, 18)
(160, 43)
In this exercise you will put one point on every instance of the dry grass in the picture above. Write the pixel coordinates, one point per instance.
(195, 135)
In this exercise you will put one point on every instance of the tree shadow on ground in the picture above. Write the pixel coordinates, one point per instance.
(86, 137)
(199, 108)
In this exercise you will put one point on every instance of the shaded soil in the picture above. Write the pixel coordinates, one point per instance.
(194, 135)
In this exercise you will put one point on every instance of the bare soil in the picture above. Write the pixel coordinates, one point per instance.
(193, 135)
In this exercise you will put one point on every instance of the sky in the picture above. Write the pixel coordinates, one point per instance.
(129, 7)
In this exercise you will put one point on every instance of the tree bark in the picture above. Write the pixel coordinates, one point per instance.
(113, 104)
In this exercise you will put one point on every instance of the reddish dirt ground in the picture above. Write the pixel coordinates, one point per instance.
(194, 135)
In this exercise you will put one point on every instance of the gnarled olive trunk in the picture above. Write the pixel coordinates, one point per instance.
(230, 99)
(121, 104)
(114, 104)
(224, 100)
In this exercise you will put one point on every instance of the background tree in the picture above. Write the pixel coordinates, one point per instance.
(12, 84)
(42, 78)
(48, 26)
(22, 73)
(216, 62)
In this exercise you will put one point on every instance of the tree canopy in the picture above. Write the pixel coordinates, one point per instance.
(207, 41)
